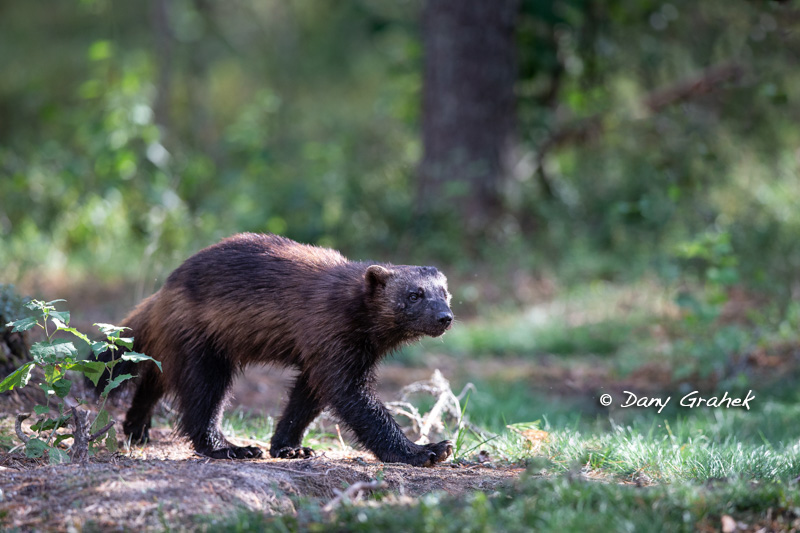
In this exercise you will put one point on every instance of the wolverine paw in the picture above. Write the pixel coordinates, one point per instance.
(436, 453)
(288, 452)
(234, 452)
(137, 434)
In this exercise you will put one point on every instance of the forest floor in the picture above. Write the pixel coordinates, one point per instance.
(165, 485)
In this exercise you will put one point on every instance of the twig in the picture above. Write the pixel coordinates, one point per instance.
(18, 427)
(341, 440)
(352, 492)
(100, 432)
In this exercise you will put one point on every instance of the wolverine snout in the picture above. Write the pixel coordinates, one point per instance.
(445, 318)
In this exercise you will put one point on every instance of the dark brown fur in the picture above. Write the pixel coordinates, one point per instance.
(266, 299)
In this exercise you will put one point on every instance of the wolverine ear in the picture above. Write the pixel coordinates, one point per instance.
(377, 275)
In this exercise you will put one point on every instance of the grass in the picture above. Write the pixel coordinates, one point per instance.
(553, 504)
(597, 319)
(683, 472)
(602, 469)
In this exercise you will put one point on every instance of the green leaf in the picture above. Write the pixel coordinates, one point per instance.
(48, 424)
(91, 369)
(102, 419)
(46, 387)
(99, 347)
(116, 382)
(41, 410)
(62, 387)
(18, 378)
(62, 327)
(53, 352)
(36, 305)
(127, 342)
(57, 456)
(23, 324)
(111, 440)
(110, 330)
(53, 373)
(60, 316)
(35, 448)
(61, 438)
(51, 302)
(137, 357)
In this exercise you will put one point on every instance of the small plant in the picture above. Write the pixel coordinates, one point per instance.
(713, 254)
(54, 357)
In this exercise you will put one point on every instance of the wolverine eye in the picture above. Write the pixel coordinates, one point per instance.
(415, 296)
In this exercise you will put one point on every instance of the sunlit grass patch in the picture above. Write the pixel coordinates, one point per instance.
(593, 319)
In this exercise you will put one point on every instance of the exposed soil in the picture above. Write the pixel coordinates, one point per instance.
(165, 485)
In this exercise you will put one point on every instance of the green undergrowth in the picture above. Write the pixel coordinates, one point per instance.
(678, 445)
(680, 472)
(549, 504)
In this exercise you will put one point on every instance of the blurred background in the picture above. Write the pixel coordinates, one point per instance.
(611, 186)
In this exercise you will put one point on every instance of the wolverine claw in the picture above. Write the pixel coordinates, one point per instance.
(438, 452)
(289, 452)
(234, 452)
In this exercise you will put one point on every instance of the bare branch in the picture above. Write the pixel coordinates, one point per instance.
(18, 427)
(590, 128)
(100, 432)
(702, 83)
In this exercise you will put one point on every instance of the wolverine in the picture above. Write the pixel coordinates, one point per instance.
(265, 299)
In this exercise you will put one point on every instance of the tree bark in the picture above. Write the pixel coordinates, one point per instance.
(468, 106)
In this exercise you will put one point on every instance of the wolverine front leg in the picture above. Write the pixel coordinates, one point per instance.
(303, 407)
(359, 407)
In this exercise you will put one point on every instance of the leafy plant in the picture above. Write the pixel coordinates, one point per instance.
(713, 254)
(54, 357)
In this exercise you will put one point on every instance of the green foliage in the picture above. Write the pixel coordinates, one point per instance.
(547, 504)
(11, 304)
(142, 155)
(53, 358)
(700, 464)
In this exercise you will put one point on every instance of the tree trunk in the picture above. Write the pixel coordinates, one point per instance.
(468, 106)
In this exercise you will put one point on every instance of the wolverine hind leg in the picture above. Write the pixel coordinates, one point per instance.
(149, 390)
(201, 393)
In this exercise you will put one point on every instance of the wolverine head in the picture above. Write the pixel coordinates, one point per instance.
(416, 297)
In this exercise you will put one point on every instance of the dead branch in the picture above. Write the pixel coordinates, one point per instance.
(100, 432)
(588, 129)
(80, 445)
(352, 493)
(591, 127)
(702, 83)
(18, 427)
(81, 437)
(447, 404)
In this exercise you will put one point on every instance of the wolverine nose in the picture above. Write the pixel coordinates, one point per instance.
(444, 318)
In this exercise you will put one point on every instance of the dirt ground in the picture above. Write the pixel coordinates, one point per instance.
(164, 484)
